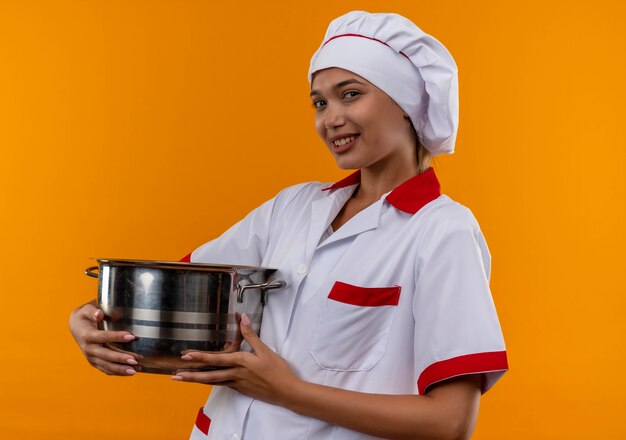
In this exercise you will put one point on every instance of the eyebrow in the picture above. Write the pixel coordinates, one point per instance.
(339, 85)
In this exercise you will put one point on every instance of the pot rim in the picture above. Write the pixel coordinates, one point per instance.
(159, 264)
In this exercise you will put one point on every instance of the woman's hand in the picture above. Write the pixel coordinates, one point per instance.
(262, 374)
(84, 327)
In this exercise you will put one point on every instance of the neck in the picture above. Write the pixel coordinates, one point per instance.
(382, 178)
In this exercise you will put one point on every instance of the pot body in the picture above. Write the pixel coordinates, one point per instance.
(171, 307)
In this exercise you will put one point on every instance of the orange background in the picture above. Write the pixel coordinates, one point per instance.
(143, 129)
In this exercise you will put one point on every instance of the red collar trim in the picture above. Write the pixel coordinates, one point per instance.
(409, 196)
(352, 179)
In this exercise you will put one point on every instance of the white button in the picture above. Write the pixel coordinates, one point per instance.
(302, 269)
(235, 437)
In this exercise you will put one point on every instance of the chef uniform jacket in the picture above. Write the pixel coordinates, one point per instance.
(392, 302)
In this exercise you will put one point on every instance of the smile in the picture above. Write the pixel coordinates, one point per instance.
(343, 141)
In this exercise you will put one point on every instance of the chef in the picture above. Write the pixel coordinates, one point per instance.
(387, 328)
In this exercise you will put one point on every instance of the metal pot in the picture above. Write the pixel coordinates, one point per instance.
(171, 307)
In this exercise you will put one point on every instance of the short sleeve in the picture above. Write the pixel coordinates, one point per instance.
(457, 331)
(246, 242)
(242, 244)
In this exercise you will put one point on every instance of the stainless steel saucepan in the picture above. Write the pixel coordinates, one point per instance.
(171, 307)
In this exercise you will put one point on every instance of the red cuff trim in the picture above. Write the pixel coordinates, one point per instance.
(203, 422)
(461, 365)
(364, 296)
(186, 259)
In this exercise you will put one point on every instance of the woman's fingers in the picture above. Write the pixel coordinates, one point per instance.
(84, 326)
(213, 377)
(96, 315)
(90, 312)
(227, 365)
(227, 358)
(87, 328)
(260, 374)
(95, 336)
(199, 359)
(111, 361)
(250, 335)
(91, 340)
(111, 368)
(108, 355)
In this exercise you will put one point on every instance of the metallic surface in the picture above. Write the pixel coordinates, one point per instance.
(172, 307)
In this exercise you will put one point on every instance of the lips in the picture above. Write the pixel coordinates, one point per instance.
(342, 143)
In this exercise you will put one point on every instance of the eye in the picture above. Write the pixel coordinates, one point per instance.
(350, 94)
(318, 104)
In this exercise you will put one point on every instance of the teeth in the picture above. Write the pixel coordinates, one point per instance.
(344, 141)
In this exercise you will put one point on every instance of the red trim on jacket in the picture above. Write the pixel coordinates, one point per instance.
(352, 179)
(462, 365)
(364, 296)
(409, 196)
(203, 422)
(369, 38)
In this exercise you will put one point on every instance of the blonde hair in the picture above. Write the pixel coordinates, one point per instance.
(423, 157)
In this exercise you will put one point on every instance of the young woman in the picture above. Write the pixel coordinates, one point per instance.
(387, 328)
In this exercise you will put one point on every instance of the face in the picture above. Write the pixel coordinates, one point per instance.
(359, 123)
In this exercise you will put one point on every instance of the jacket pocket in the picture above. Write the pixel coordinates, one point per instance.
(353, 328)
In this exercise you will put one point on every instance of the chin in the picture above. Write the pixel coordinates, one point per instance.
(346, 164)
(348, 167)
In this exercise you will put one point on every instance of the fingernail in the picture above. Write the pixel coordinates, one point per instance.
(186, 357)
(129, 337)
(132, 361)
(244, 319)
(177, 378)
(96, 314)
(130, 372)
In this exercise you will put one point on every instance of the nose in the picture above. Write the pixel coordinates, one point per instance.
(334, 117)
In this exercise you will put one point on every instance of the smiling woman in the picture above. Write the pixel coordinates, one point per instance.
(386, 328)
(362, 126)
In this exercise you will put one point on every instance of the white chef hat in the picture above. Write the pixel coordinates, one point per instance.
(410, 66)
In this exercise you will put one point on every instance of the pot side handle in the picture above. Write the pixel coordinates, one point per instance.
(91, 271)
(271, 284)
